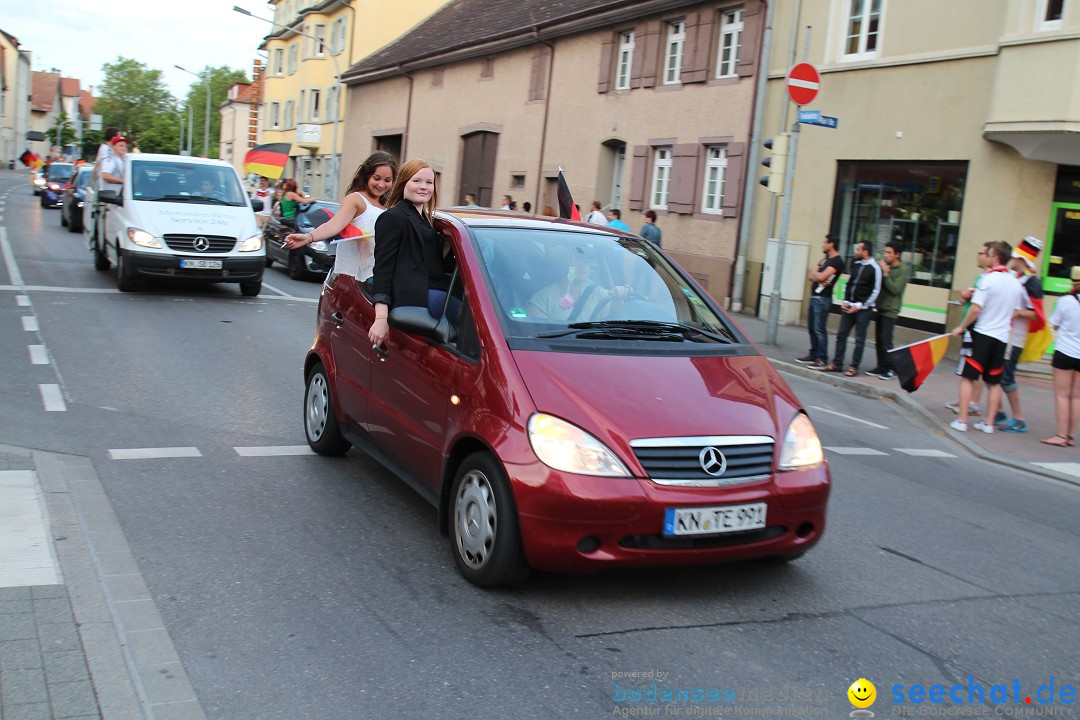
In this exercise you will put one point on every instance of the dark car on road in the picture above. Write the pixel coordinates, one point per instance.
(57, 177)
(311, 261)
(73, 198)
(580, 404)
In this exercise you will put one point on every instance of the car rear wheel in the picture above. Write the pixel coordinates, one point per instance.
(320, 424)
(484, 534)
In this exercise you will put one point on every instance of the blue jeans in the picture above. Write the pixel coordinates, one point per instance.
(861, 322)
(817, 321)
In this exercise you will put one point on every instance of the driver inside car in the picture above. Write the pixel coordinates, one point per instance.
(573, 296)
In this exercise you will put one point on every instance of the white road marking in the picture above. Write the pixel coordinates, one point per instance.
(30, 323)
(9, 259)
(52, 397)
(26, 554)
(22, 300)
(114, 291)
(1068, 468)
(848, 417)
(273, 450)
(855, 451)
(924, 453)
(268, 286)
(153, 453)
(38, 355)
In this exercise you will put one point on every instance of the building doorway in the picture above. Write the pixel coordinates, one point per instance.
(478, 167)
(1063, 248)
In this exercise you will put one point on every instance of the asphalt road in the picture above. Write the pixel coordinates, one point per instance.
(298, 586)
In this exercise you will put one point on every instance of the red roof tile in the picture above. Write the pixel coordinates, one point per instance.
(43, 90)
(69, 87)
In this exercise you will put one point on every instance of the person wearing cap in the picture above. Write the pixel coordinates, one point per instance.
(1066, 364)
(111, 170)
(1022, 265)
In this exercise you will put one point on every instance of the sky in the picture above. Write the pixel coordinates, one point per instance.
(79, 36)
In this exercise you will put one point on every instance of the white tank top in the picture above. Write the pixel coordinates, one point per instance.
(356, 255)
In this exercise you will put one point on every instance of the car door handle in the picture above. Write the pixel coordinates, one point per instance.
(383, 352)
(338, 319)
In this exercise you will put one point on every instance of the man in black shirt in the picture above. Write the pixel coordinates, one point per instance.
(822, 281)
(861, 292)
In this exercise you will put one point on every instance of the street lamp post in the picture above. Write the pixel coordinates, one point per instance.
(206, 130)
(335, 158)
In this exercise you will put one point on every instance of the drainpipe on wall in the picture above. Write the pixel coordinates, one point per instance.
(408, 114)
(543, 129)
(738, 281)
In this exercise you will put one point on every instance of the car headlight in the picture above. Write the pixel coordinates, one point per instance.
(253, 243)
(143, 238)
(39, 181)
(566, 447)
(802, 448)
(320, 245)
(54, 186)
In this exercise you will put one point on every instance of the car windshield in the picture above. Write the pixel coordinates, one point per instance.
(160, 180)
(558, 283)
(309, 218)
(60, 173)
(83, 177)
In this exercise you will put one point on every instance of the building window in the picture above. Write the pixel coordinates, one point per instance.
(278, 68)
(661, 178)
(290, 115)
(316, 109)
(1050, 14)
(275, 116)
(294, 56)
(712, 195)
(862, 29)
(731, 27)
(517, 180)
(676, 36)
(626, 60)
(320, 40)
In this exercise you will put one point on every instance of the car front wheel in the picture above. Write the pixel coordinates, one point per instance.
(484, 533)
(320, 423)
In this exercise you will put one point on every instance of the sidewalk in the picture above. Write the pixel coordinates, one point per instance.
(927, 404)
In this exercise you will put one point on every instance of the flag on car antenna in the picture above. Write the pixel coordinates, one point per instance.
(267, 160)
(567, 209)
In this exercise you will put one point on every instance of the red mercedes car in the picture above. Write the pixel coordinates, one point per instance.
(581, 404)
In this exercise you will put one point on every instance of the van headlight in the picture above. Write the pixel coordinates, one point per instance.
(802, 448)
(252, 244)
(566, 447)
(143, 238)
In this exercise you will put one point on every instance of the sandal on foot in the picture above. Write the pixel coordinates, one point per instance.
(1071, 440)
(1056, 441)
(851, 372)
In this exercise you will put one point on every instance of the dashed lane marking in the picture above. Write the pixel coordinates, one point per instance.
(918, 452)
(855, 451)
(22, 300)
(38, 355)
(273, 451)
(9, 259)
(848, 417)
(30, 323)
(153, 453)
(52, 397)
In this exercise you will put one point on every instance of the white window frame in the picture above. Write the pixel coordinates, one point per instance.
(275, 116)
(731, 29)
(864, 17)
(661, 177)
(624, 60)
(315, 107)
(318, 32)
(1041, 23)
(673, 51)
(278, 67)
(714, 180)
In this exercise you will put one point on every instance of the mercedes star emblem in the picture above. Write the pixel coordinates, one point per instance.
(713, 461)
(201, 244)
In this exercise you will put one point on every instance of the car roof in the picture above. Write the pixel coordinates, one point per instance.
(479, 217)
(161, 157)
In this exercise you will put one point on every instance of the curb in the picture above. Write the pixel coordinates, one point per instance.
(925, 416)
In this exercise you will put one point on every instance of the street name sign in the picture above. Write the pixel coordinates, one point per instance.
(814, 117)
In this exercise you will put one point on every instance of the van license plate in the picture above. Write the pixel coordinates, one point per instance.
(200, 264)
(714, 520)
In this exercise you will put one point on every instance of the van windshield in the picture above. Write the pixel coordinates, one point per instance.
(554, 283)
(158, 180)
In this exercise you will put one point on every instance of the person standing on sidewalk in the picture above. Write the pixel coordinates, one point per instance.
(1066, 364)
(998, 295)
(894, 277)
(821, 280)
(650, 231)
(861, 293)
(1022, 265)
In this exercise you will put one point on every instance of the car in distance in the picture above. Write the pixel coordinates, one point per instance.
(57, 176)
(73, 198)
(37, 181)
(581, 404)
(314, 260)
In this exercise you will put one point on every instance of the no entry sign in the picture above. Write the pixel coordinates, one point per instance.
(803, 83)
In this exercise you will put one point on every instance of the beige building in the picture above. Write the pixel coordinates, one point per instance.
(14, 109)
(45, 106)
(958, 123)
(236, 116)
(311, 43)
(644, 105)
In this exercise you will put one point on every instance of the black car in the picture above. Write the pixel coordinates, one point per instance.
(57, 175)
(71, 200)
(316, 259)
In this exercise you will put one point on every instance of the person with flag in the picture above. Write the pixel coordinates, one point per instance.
(1026, 325)
(361, 207)
(264, 194)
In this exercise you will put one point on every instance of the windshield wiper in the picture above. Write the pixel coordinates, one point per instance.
(615, 333)
(187, 198)
(655, 326)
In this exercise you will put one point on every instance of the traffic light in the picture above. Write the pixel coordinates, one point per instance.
(777, 163)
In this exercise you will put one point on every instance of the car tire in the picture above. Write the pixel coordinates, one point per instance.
(269, 261)
(320, 424)
(124, 283)
(63, 218)
(296, 266)
(251, 289)
(75, 226)
(101, 260)
(484, 534)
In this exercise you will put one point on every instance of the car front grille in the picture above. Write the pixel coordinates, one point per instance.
(732, 459)
(659, 542)
(186, 243)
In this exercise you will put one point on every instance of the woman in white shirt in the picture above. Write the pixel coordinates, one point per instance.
(1066, 364)
(363, 203)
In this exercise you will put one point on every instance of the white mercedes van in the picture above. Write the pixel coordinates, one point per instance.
(176, 217)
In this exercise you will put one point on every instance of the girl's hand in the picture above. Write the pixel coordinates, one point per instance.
(378, 331)
(296, 240)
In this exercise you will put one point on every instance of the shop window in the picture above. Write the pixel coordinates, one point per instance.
(916, 204)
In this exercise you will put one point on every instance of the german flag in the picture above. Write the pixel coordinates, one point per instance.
(267, 160)
(567, 209)
(914, 363)
(320, 217)
(1039, 335)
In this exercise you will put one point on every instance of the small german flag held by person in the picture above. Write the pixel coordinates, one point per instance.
(1039, 335)
(567, 209)
(267, 160)
(914, 363)
(322, 216)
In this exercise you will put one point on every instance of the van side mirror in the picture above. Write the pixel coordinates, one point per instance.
(111, 197)
(256, 204)
(418, 321)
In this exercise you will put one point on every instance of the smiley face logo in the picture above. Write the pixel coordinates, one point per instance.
(862, 693)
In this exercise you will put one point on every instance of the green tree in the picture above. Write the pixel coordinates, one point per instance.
(221, 78)
(91, 139)
(61, 133)
(132, 96)
(163, 135)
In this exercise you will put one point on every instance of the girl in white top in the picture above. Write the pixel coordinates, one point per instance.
(1066, 364)
(360, 207)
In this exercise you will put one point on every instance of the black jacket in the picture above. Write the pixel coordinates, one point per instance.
(408, 258)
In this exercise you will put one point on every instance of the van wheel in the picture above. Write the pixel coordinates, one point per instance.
(484, 534)
(251, 289)
(320, 423)
(63, 217)
(269, 261)
(124, 283)
(101, 260)
(296, 266)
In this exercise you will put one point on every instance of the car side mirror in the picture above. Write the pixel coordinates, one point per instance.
(112, 197)
(418, 321)
(256, 204)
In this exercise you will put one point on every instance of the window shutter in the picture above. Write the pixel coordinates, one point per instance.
(698, 48)
(684, 161)
(733, 178)
(650, 62)
(751, 37)
(637, 62)
(607, 58)
(639, 172)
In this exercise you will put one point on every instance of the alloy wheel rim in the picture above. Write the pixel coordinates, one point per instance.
(475, 522)
(316, 406)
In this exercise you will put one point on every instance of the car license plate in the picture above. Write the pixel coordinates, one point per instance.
(714, 520)
(199, 264)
